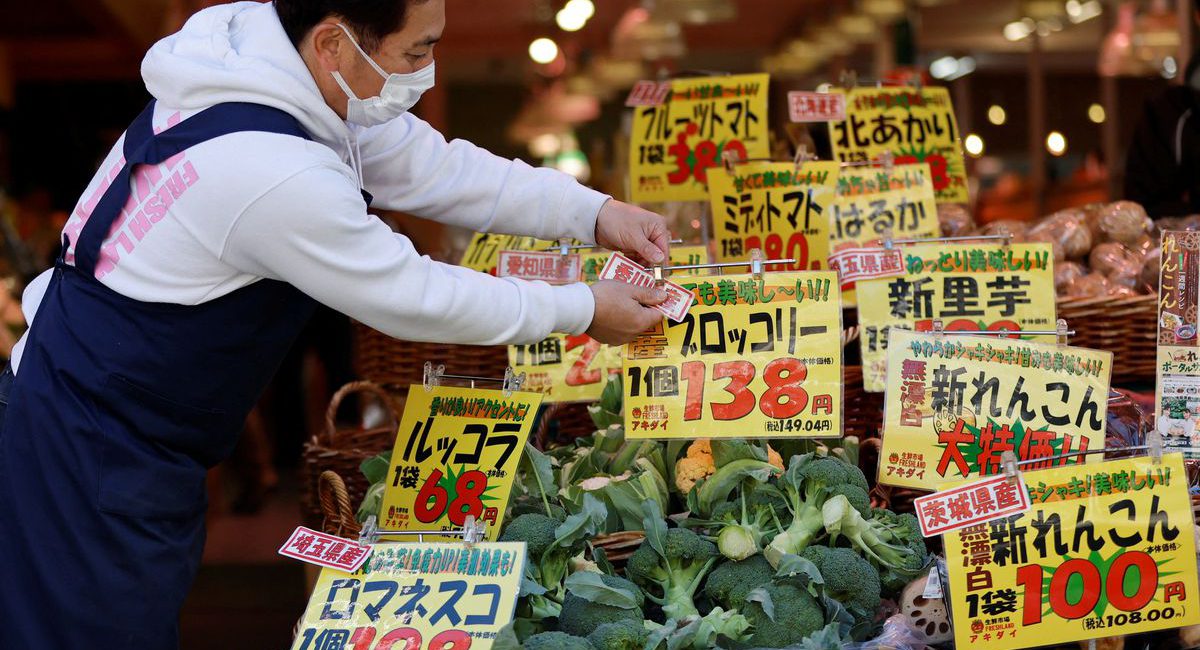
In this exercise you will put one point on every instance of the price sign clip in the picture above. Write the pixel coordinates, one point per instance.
(729, 158)
(757, 260)
(1154, 445)
(1061, 332)
(803, 155)
(510, 383)
(472, 532)
(1008, 461)
(888, 160)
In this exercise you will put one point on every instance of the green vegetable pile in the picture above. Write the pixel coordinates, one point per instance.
(760, 557)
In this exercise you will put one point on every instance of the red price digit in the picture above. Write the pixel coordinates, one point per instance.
(1058, 588)
(693, 374)
(431, 491)
(469, 488)
(1146, 583)
(740, 374)
(362, 638)
(578, 374)
(681, 152)
(798, 250)
(405, 638)
(706, 157)
(784, 398)
(450, 640)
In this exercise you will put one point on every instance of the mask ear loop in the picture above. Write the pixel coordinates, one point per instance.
(366, 56)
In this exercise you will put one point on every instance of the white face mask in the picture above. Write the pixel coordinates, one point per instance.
(400, 92)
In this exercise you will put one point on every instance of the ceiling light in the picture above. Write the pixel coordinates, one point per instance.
(569, 20)
(1017, 30)
(1056, 143)
(583, 7)
(543, 50)
(1096, 113)
(943, 67)
(996, 114)
(974, 145)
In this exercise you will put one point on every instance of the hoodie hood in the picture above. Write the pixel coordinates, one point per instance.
(239, 53)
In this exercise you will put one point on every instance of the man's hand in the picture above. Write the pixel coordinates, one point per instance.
(639, 234)
(623, 311)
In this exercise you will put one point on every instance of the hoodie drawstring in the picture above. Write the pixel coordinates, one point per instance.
(355, 153)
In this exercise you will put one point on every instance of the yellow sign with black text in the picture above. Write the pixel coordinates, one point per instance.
(456, 455)
(875, 200)
(416, 595)
(955, 404)
(754, 358)
(483, 252)
(1106, 550)
(914, 125)
(676, 143)
(777, 208)
(969, 287)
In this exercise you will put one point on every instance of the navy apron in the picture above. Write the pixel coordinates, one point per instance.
(117, 411)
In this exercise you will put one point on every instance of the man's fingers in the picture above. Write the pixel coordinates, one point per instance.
(652, 253)
(650, 296)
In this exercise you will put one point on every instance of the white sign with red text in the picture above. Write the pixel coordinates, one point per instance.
(854, 264)
(816, 107)
(970, 504)
(648, 93)
(623, 269)
(315, 547)
(554, 268)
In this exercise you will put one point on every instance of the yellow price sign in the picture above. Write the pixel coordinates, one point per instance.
(456, 455)
(676, 143)
(417, 596)
(483, 252)
(777, 208)
(913, 124)
(754, 358)
(955, 404)
(870, 201)
(1106, 550)
(969, 287)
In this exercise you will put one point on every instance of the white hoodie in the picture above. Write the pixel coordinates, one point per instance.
(246, 206)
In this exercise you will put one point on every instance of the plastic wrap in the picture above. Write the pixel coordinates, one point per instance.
(1151, 266)
(1113, 259)
(1091, 217)
(896, 635)
(1015, 228)
(1068, 228)
(954, 219)
(1089, 286)
(1191, 222)
(1125, 222)
(1066, 274)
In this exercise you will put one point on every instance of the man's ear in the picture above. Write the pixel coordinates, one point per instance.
(326, 39)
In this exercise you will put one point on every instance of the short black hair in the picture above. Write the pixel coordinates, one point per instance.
(370, 20)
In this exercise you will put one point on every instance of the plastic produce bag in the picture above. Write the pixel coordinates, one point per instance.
(1068, 228)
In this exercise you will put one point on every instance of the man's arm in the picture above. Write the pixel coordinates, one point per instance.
(409, 166)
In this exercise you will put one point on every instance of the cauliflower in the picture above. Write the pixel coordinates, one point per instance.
(691, 469)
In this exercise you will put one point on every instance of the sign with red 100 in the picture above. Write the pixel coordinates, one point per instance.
(755, 357)
(455, 456)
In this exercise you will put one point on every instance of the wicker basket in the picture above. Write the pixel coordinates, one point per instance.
(343, 451)
(397, 364)
(337, 513)
(1127, 327)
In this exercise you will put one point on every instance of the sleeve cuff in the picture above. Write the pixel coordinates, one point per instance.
(574, 308)
(582, 205)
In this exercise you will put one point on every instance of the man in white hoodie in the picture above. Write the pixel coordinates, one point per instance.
(229, 208)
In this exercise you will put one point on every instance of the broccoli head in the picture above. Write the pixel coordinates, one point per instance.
(891, 542)
(671, 578)
(621, 635)
(535, 529)
(556, 641)
(580, 616)
(797, 615)
(849, 579)
(806, 485)
(729, 583)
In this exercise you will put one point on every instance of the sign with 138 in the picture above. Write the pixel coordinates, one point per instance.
(755, 357)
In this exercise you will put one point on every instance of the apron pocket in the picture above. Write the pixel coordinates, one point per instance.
(151, 463)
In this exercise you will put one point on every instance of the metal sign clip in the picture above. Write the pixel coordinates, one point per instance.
(1154, 445)
(1008, 461)
(729, 158)
(757, 259)
(512, 381)
(1062, 332)
(939, 328)
(432, 375)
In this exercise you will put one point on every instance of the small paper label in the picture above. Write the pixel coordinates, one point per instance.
(974, 503)
(623, 269)
(816, 107)
(546, 266)
(933, 586)
(648, 93)
(854, 264)
(314, 547)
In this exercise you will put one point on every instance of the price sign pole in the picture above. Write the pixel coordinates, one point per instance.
(757, 355)
(456, 453)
